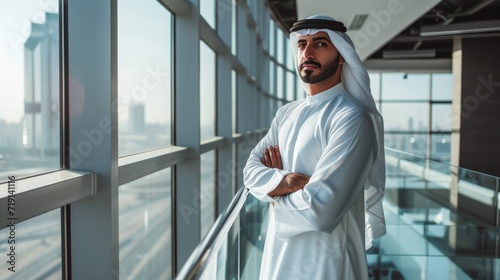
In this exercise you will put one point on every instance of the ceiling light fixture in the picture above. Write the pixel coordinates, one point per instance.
(429, 53)
(460, 28)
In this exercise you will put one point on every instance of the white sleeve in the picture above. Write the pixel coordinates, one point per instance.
(259, 179)
(336, 183)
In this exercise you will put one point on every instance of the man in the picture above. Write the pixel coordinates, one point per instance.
(322, 164)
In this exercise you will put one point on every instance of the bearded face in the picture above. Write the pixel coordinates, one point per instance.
(325, 70)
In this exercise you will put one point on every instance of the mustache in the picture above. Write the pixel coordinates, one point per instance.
(309, 62)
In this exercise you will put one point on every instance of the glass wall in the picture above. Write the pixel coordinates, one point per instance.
(207, 91)
(144, 76)
(208, 191)
(417, 112)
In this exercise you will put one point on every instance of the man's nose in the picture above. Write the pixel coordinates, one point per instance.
(308, 53)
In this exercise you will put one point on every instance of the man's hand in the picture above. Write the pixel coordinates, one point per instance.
(272, 157)
(291, 182)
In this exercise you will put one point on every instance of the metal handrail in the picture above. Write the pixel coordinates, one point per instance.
(210, 244)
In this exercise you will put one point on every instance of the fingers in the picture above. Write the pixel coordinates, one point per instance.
(277, 153)
(272, 157)
(267, 159)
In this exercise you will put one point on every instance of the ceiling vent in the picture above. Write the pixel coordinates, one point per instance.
(357, 22)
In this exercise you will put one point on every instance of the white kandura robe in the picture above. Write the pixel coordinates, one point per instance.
(316, 233)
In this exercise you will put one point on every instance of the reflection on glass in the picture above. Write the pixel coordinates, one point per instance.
(37, 248)
(207, 91)
(29, 88)
(145, 227)
(405, 116)
(442, 86)
(207, 195)
(144, 76)
(402, 86)
(207, 10)
(442, 117)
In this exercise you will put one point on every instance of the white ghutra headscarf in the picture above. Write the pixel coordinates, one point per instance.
(357, 83)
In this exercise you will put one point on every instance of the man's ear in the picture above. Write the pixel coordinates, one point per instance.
(341, 60)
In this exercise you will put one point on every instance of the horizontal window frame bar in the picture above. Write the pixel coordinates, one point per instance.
(136, 166)
(213, 143)
(178, 7)
(37, 195)
(212, 39)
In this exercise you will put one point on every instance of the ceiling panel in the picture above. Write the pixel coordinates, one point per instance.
(385, 20)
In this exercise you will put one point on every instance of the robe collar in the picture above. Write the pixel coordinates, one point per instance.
(325, 95)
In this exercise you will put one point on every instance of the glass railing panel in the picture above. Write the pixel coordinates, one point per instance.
(441, 222)
(254, 221)
(431, 268)
(233, 247)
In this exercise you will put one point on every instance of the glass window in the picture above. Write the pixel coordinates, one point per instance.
(375, 85)
(290, 60)
(279, 44)
(279, 81)
(402, 86)
(145, 234)
(207, 11)
(36, 253)
(207, 91)
(442, 117)
(300, 90)
(234, 88)
(272, 78)
(29, 88)
(442, 86)
(144, 76)
(290, 82)
(440, 147)
(271, 37)
(411, 143)
(405, 116)
(208, 191)
(234, 23)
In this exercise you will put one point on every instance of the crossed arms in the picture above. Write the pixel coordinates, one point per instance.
(291, 182)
